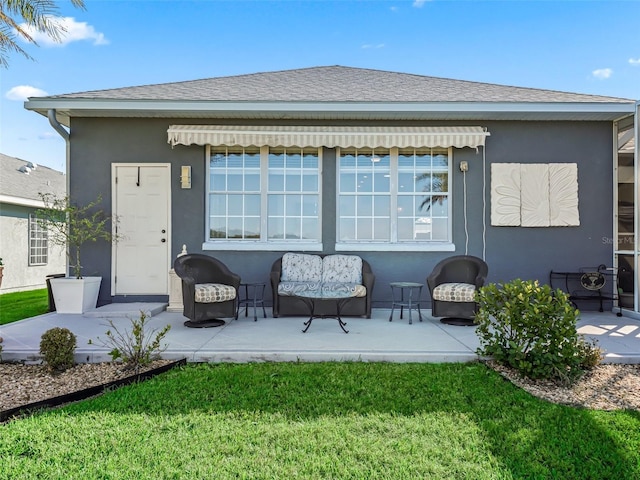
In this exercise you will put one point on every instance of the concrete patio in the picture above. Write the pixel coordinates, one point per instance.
(281, 339)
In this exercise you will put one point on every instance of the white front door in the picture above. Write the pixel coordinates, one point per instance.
(142, 205)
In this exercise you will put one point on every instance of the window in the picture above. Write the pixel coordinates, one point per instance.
(38, 242)
(264, 195)
(395, 196)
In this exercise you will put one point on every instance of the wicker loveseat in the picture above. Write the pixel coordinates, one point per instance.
(295, 272)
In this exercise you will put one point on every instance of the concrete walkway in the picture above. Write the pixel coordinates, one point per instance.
(281, 339)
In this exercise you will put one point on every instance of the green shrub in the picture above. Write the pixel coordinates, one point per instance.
(531, 328)
(136, 347)
(57, 346)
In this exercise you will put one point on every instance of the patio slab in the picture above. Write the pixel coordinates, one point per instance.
(281, 339)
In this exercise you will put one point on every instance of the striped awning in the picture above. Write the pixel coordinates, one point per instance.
(324, 136)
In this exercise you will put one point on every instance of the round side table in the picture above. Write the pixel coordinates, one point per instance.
(253, 297)
(405, 295)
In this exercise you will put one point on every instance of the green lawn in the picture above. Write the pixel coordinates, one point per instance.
(322, 421)
(19, 305)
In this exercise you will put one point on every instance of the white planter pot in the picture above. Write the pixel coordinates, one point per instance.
(73, 295)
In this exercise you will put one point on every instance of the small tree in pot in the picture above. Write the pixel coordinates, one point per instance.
(72, 226)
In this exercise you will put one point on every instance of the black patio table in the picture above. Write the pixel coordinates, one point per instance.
(309, 297)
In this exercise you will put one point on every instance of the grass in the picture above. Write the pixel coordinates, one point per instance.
(322, 420)
(19, 305)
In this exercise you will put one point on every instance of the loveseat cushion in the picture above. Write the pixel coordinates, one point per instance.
(342, 269)
(214, 293)
(329, 288)
(301, 267)
(455, 292)
(290, 289)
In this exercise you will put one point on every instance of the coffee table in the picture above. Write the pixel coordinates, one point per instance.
(309, 297)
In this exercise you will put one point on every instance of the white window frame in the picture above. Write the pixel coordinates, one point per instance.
(38, 252)
(262, 244)
(393, 244)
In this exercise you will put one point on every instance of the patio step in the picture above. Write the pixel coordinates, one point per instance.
(126, 310)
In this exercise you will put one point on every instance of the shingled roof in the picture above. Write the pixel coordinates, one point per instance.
(336, 84)
(20, 182)
(333, 93)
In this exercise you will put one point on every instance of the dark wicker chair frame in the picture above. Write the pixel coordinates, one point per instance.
(195, 268)
(286, 305)
(463, 269)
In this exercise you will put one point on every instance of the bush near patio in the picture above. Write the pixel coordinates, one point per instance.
(532, 329)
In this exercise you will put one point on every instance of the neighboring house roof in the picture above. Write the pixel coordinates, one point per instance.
(22, 181)
(333, 92)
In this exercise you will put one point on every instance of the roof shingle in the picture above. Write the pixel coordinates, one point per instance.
(336, 84)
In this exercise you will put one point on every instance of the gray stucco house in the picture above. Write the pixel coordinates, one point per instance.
(26, 252)
(402, 169)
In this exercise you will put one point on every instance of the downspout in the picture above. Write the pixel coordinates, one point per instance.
(57, 126)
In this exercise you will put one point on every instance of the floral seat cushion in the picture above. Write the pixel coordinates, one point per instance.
(455, 292)
(342, 269)
(301, 267)
(331, 289)
(214, 293)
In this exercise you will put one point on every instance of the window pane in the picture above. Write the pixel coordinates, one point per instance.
(293, 183)
(347, 229)
(234, 227)
(234, 182)
(218, 227)
(252, 205)
(310, 228)
(310, 182)
(310, 206)
(236, 205)
(365, 230)
(381, 229)
(218, 205)
(252, 182)
(365, 206)
(218, 181)
(293, 206)
(422, 228)
(347, 206)
(365, 183)
(276, 182)
(381, 206)
(405, 229)
(440, 226)
(252, 228)
(347, 182)
(276, 228)
(405, 182)
(276, 205)
(292, 228)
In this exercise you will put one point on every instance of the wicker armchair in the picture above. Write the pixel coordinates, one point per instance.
(209, 290)
(452, 285)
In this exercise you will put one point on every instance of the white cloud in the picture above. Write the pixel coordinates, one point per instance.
(602, 73)
(22, 92)
(635, 62)
(71, 31)
(420, 3)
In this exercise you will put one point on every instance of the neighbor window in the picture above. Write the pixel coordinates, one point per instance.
(393, 196)
(38, 242)
(264, 195)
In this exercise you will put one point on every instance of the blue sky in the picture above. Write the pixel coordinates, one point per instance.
(577, 46)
